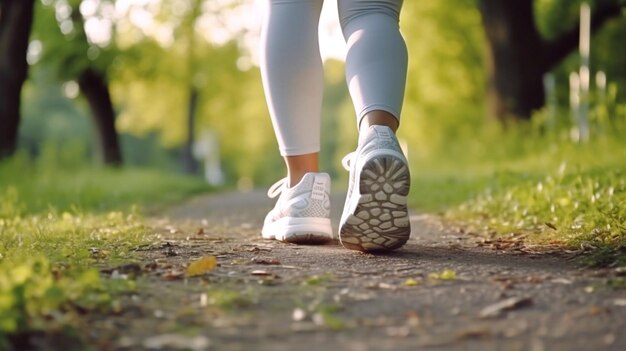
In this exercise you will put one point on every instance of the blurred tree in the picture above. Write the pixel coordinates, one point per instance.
(76, 56)
(190, 165)
(445, 93)
(518, 56)
(230, 101)
(16, 17)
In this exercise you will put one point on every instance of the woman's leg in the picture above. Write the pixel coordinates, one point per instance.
(375, 215)
(376, 63)
(293, 80)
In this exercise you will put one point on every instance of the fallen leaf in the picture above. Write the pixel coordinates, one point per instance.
(411, 282)
(201, 266)
(509, 304)
(446, 274)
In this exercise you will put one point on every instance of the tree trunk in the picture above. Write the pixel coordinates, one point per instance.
(94, 87)
(514, 61)
(16, 18)
(518, 57)
(190, 165)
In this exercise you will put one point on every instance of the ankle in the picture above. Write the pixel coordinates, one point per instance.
(380, 118)
(299, 165)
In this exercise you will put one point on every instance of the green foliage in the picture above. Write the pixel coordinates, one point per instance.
(58, 220)
(581, 206)
(533, 181)
(445, 87)
(151, 75)
(555, 17)
(60, 27)
(46, 282)
(57, 128)
(37, 297)
(231, 102)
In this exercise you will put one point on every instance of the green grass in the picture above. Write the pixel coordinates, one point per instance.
(57, 224)
(34, 188)
(543, 189)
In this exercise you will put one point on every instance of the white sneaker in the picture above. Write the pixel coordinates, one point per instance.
(302, 212)
(375, 216)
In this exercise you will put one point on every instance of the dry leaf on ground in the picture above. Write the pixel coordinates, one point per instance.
(201, 266)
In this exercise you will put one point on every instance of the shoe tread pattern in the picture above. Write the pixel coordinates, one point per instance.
(380, 221)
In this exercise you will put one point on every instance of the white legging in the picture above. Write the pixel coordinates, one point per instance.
(292, 71)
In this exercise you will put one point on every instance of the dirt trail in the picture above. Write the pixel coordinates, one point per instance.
(442, 291)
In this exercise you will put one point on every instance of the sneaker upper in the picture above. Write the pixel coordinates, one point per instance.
(309, 198)
(378, 137)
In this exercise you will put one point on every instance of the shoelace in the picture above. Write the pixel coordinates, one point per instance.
(347, 160)
(276, 188)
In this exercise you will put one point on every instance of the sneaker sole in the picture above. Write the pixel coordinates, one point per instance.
(380, 221)
(305, 231)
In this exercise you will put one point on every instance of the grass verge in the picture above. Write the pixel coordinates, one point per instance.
(56, 226)
(559, 193)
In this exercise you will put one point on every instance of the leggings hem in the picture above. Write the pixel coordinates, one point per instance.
(300, 150)
(377, 107)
